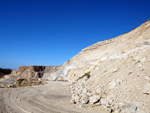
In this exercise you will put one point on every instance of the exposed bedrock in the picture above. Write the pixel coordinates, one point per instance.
(34, 72)
(113, 73)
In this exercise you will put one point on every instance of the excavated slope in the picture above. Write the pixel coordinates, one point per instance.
(118, 76)
(95, 56)
(119, 67)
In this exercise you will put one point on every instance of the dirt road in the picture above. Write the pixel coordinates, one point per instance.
(52, 97)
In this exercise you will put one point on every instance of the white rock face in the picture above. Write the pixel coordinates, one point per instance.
(53, 76)
(119, 71)
(94, 99)
(114, 73)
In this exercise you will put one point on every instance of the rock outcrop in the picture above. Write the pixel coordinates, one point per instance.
(119, 72)
(113, 73)
(34, 72)
(31, 75)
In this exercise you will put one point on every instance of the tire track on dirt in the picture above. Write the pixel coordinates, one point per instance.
(49, 98)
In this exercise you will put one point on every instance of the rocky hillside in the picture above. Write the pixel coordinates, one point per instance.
(113, 73)
(96, 57)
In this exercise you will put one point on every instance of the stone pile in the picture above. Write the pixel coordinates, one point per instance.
(119, 73)
(84, 93)
(125, 88)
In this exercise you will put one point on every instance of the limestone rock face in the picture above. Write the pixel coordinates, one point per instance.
(114, 73)
(98, 56)
(119, 70)
(34, 71)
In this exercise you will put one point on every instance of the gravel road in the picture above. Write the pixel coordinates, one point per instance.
(52, 97)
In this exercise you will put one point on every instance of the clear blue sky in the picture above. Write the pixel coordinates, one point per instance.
(50, 32)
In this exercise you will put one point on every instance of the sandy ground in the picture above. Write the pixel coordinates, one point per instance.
(52, 97)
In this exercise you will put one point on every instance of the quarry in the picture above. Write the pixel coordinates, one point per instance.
(111, 76)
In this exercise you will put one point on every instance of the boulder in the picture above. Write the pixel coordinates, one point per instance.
(147, 77)
(128, 109)
(94, 99)
(72, 101)
(84, 100)
(77, 98)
